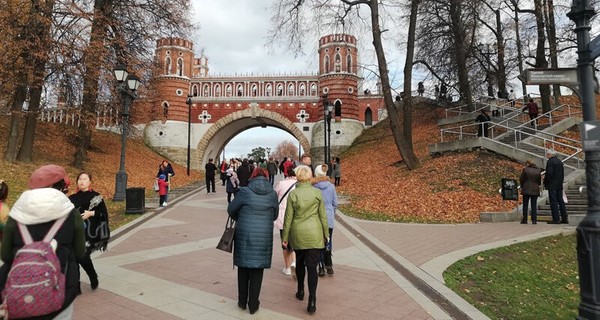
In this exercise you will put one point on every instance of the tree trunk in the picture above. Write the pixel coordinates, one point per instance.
(12, 147)
(41, 28)
(404, 147)
(551, 30)
(94, 55)
(519, 52)
(501, 64)
(408, 66)
(540, 53)
(460, 55)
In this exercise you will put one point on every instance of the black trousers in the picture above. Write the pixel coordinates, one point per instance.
(306, 262)
(249, 283)
(210, 182)
(87, 265)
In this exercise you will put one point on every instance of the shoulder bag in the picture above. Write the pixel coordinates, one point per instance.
(226, 241)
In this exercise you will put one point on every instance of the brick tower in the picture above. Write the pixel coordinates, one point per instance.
(338, 79)
(175, 64)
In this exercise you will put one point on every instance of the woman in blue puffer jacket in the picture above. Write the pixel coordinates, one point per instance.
(254, 209)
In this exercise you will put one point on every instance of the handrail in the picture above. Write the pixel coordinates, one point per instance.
(462, 132)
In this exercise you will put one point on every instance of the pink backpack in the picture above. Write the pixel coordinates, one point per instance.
(35, 285)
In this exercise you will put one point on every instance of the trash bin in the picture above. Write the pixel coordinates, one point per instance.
(135, 200)
(510, 190)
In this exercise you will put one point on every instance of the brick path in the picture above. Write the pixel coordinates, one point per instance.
(168, 268)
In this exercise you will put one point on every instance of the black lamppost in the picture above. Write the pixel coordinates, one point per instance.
(189, 103)
(127, 85)
(328, 117)
(327, 109)
(268, 149)
(588, 231)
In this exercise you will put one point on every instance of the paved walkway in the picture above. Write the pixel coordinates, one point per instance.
(165, 266)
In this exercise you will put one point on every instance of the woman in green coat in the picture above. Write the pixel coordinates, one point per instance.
(305, 226)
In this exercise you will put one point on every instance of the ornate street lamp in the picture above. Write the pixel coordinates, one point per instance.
(329, 113)
(189, 103)
(268, 152)
(127, 86)
(588, 233)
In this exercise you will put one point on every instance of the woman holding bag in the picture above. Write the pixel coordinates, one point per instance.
(531, 179)
(254, 209)
(305, 226)
(95, 217)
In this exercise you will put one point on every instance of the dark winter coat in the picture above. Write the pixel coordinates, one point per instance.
(555, 174)
(166, 171)
(243, 173)
(81, 200)
(531, 179)
(209, 170)
(254, 209)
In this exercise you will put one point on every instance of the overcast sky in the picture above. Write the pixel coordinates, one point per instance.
(232, 34)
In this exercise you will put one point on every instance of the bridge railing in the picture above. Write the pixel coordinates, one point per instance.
(106, 117)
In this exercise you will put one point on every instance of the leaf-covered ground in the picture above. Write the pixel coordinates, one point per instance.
(55, 144)
(451, 188)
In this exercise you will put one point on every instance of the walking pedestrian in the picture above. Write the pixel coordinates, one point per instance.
(163, 190)
(553, 182)
(93, 211)
(209, 173)
(166, 169)
(254, 209)
(283, 189)
(420, 89)
(322, 182)
(37, 209)
(532, 109)
(272, 169)
(531, 179)
(484, 123)
(232, 185)
(512, 97)
(244, 172)
(223, 170)
(337, 172)
(305, 226)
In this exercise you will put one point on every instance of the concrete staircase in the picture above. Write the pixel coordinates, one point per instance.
(152, 201)
(514, 139)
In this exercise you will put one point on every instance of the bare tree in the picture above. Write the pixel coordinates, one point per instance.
(289, 21)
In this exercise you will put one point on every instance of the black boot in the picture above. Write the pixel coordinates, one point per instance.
(312, 305)
(300, 295)
(524, 220)
(94, 282)
(321, 271)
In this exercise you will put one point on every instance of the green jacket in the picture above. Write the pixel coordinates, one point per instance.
(305, 223)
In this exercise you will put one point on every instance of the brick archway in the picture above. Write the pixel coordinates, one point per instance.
(221, 132)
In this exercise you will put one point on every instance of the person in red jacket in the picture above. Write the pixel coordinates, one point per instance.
(532, 109)
(163, 189)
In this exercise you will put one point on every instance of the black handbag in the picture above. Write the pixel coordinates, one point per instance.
(226, 242)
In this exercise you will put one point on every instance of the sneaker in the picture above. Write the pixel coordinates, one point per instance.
(321, 271)
(293, 270)
(287, 271)
(329, 269)
(164, 204)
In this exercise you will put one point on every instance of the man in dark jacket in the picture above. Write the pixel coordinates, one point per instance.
(553, 182)
(38, 208)
(272, 169)
(244, 172)
(209, 172)
(484, 123)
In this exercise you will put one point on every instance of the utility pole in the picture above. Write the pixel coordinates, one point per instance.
(588, 231)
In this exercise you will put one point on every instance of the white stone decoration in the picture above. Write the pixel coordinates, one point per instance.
(204, 116)
(302, 116)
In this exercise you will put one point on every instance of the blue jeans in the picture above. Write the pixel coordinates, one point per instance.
(526, 200)
(557, 204)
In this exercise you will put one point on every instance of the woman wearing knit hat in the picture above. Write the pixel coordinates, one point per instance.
(38, 209)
